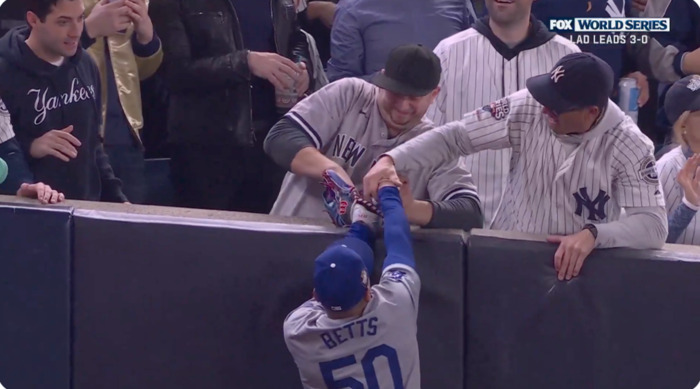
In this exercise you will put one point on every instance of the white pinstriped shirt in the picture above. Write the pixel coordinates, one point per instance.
(556, 185)
(475, 73)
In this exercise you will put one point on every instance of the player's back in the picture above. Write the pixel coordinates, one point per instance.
(376, 350)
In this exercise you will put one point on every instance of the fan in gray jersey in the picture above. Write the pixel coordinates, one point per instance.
(485, 63)
(577, 161)
(20, 180)
(351, 335)
(348, 124)
(678, 169)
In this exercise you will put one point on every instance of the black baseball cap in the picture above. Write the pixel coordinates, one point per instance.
(577, 81)
(683, 95)
(411, 70)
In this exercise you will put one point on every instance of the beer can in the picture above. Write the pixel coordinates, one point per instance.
(629, 95)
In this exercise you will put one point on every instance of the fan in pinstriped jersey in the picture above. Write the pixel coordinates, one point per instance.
(488, 62)
(577, 162)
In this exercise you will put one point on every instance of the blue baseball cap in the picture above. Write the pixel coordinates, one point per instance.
(577, 81)
(341, 277)
(683, 95)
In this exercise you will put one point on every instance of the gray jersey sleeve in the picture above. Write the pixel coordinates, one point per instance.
(401, 285)
(495, 126)
(450, 181)
(6, 131)
(662, 61)
(321, 114)
(655, 54)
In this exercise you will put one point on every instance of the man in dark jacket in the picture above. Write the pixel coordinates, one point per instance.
(223, 61)
(51, 89)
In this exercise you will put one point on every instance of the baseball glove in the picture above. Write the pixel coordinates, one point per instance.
(339, 198)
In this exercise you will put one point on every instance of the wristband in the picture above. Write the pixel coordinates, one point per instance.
(593, 229)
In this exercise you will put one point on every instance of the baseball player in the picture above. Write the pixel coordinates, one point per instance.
(20, 180)
(346, 125)
(351, 335)
(577, 161)
(485, 63)
(678, 168)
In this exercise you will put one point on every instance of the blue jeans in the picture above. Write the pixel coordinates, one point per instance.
(129, 166)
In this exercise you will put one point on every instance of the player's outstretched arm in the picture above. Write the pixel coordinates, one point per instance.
(397, 232)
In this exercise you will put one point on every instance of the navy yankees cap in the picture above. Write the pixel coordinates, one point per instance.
(341, 277)
(411, 70)
(683, 95)
(577, 81)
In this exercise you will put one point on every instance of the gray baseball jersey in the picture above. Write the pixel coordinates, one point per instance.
(343, 121)
(6, 131)
(476, 73)
(556, 184)
(376, 350)
(669, 165)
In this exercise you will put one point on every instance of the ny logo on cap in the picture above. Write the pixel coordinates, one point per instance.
(694, 83)
(557, 73)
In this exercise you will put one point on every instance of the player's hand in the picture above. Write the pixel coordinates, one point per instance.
(572, 251)
(41, 192)
(689, 180)
(639, 5)
(302, 83)
(280, 71)
(107, 18)
(643, 85)
(138, 13)
(57, 143)
(383, 170)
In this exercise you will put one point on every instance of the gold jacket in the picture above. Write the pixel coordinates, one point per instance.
(129, 71)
